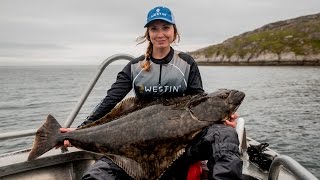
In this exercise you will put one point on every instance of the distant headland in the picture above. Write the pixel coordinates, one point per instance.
(289, 42)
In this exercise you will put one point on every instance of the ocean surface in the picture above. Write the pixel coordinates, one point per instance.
(282, 104)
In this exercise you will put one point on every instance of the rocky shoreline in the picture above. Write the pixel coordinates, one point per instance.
(266, 59)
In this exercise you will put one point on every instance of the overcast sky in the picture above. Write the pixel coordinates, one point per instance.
(40, 32)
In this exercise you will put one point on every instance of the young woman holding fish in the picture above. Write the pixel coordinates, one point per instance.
(165, 72)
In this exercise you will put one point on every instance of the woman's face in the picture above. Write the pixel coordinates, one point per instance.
(161, 34)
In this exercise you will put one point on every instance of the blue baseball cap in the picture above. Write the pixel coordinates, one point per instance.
(161, 13)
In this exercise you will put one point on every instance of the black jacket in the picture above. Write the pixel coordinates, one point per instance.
(219, 145)
(175, 75)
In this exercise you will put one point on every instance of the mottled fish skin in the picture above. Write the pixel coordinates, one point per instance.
(131, 104)
(151, 137)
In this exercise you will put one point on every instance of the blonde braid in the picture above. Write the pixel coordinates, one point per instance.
(146, 65)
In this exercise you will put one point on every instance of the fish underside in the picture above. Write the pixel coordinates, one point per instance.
(144, 140)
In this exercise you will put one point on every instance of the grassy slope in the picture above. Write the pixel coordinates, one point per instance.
(300, 35)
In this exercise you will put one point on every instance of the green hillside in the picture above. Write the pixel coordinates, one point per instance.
(299, 36)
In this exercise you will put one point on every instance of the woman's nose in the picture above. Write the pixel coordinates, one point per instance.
(160, 33)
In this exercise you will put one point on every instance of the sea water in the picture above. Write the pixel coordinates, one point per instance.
(281, 106)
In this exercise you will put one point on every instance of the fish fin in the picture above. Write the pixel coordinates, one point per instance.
(169, 160)
(46, 138)
(130, 166)
(124, 107)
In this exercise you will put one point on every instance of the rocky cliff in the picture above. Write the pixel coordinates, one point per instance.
(289, 42)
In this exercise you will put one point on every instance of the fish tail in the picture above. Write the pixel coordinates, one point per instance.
(46, 138)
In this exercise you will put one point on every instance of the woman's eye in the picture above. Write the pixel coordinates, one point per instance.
(165, 27)
(153, 29)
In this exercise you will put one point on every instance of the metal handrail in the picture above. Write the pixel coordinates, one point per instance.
(83, 98)
(17, 134)
(293, 166)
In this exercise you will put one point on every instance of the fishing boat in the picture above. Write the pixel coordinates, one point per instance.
(259, 161)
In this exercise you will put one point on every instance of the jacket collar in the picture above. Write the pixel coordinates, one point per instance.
(164, 60)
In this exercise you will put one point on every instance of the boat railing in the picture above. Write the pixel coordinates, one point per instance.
(83, 98)
(85, 95)
(290, 164)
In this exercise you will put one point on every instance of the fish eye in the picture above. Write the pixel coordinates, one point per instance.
(224, 95)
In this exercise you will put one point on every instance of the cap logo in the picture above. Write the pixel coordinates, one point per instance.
(158, 13)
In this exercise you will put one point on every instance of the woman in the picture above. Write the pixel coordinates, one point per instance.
(161, 72)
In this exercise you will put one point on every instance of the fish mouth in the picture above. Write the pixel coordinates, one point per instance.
(235, 109)
(238, 105)
(242, 95)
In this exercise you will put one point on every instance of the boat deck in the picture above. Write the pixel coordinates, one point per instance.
(71, 165)
(52, 165)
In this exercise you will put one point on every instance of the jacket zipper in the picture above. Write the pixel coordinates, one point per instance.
(160, 74)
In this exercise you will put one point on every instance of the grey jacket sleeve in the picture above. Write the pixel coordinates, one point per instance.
(115, 94)
(194, 81)
(194, 84)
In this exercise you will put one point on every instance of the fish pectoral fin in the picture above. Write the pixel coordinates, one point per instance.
(130, 166)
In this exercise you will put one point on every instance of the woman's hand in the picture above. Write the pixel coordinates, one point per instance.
(66, 143)
(233, 120)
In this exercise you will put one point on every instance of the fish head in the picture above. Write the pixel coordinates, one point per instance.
(231, 97)
(217, 106)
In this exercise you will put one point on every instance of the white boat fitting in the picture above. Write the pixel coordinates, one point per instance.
(259, 161)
